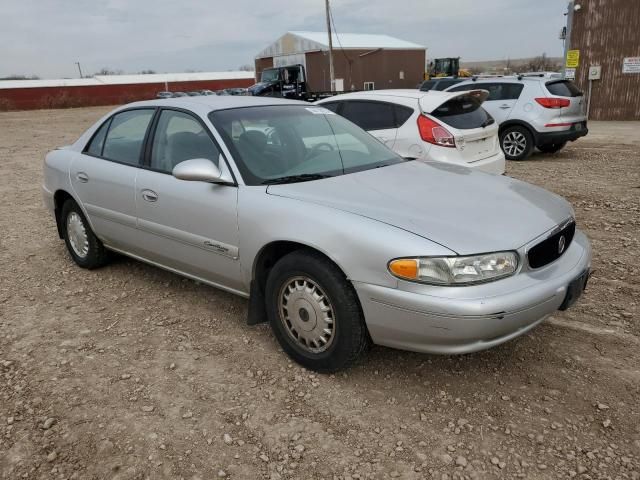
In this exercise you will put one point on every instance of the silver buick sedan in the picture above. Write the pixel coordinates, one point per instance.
(336, 240)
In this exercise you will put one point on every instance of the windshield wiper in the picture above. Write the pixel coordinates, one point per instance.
(303, 177)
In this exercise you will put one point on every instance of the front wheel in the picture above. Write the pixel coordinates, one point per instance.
(551, 147)
(315, 313)
(85, 248)
(516, 142)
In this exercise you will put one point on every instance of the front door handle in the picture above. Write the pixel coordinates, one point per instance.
(82, 177)
(504, 107)
(149, 195)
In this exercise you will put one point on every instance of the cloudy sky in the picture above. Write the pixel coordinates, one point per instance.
(47, 37)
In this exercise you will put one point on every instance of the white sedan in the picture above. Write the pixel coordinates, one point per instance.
(449, 127)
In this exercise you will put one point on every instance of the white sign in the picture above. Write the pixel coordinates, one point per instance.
(594, 72)
(570, 73)
(631, 65)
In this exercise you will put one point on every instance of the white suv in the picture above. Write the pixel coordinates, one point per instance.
(442, 126)
(535, 110)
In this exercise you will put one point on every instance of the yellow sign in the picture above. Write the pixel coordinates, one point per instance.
(573, 58)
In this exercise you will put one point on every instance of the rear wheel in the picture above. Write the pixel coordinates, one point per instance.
(315, 313)
(551, 147)
(83, 245)
(516, 142)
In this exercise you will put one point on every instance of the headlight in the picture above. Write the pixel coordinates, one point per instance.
(455, 270)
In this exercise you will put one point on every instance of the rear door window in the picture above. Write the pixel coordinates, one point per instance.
(126, 136)
(466, 87)
(563, 88)
(463, 113)
(497, 91)
(511, 91)
(369, 115)
(402, 114)
(97, 142)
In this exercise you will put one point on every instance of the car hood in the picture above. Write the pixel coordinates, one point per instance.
(464, 210)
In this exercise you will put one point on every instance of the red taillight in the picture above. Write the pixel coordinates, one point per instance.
(435, 133)
(550, 102)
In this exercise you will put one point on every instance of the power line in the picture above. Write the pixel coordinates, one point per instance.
(347, 58)
(338, 37)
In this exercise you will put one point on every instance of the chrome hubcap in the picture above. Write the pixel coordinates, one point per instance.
(514, 143)
(77, 234)
(307, 314)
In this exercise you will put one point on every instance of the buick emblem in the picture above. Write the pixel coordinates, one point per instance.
(561, 244)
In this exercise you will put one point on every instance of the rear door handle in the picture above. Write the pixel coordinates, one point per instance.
(149, 195)
(505, 106)
(82, 177)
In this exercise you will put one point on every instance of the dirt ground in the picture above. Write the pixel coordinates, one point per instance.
(131, 372)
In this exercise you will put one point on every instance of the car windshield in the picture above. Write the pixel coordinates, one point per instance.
(292, 143)
(269, 76)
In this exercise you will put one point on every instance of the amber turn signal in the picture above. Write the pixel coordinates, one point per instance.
(404, 268)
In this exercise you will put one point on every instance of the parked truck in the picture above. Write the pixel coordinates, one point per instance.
(289, 81)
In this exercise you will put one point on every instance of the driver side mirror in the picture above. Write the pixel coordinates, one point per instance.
(202, 170)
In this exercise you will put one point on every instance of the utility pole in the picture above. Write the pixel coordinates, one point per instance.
(331, 73)
(567, 39)
(79, 69)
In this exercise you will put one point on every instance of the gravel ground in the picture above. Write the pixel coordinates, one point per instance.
(130, 372)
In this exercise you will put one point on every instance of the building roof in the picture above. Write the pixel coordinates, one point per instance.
(297, 42)
(126, 79)
(358, 40)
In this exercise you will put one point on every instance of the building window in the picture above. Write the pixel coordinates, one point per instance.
(369, 86)
(401, 75)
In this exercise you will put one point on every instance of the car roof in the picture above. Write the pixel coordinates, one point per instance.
(428, 101)
(214, 102)
(536, 77)
(412, 93)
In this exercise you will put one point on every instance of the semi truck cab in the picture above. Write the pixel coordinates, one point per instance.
(287, 82)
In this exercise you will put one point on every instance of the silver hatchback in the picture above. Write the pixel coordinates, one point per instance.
(336, 240)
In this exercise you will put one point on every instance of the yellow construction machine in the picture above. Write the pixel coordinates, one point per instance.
(445, 67)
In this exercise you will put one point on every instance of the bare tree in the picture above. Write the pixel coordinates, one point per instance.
(108, 71)
(473, 70)
(542, 63)
(147, 72)
(20, 77)
(246, 68)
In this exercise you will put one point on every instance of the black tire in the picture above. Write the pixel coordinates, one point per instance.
(350, 338)
(523, 136)
(551, 147)
(97, 255)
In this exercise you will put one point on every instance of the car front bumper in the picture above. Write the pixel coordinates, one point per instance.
(465, 319)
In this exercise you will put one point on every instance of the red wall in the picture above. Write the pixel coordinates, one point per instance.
(64, 97)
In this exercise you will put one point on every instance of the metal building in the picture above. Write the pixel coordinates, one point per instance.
(604, 44)
(110, 89)
(360, 61)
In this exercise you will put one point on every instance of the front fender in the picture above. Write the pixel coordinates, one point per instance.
(360, 246)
